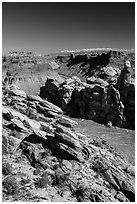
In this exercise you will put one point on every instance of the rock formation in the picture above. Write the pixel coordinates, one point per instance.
(126, 87)
(103, 100)
(45, 159)
(28, 77)
(86, 64)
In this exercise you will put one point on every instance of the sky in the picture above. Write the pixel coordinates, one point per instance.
(43, 27)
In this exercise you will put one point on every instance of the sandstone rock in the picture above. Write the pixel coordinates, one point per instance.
(18, 124)
(57, 198)
(131, 170)
(14, 113)
(13, 90)
(51, 107)
(50, 89)
(125, 185)
(88, 170)
(46, 127)
(127, 92)
(33, 98)
(109, 71)
(31, 104)
(50, 172)
(52, 114)
(101, 82)
(62, 129)
(9, 143)
(66, 139)
(5, 142)
(76, 80)
(46, 111)
(121, 197)
(67, 122)
(64, 151)
(67, 164)
(91, 80)
(94, 80)
(6, 114)
(32, 124)
(37, 136)
(112, 80)
(98, 101)
(32, 151)
(65, 93)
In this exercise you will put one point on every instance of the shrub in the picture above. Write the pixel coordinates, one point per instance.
(60, 179)
(43, 181)
(81, 192)
(10, 185)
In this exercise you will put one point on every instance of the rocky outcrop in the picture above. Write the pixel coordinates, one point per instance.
(51, 161)
(28, 78)
(105, 101)
(86, 64)
(126, 87)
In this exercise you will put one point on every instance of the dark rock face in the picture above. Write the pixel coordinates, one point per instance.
(97, 99)
(51, 161)
(126, 86)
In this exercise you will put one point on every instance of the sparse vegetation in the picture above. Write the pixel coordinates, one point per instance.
(60, 179)
(6, 169)
(10, 185)
(43, 181)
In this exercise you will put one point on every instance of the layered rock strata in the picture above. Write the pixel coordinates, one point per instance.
(110, 101)
(50, 161)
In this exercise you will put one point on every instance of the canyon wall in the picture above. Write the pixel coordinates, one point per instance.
(110, 101)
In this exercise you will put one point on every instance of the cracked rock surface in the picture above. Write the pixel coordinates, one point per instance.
(46, 159)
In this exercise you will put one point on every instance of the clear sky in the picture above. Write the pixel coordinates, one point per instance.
(51, 27)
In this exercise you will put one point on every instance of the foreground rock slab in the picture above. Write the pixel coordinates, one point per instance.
(46, 159)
